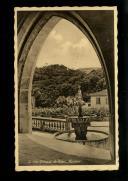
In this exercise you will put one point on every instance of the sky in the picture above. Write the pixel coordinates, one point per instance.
(67, 45)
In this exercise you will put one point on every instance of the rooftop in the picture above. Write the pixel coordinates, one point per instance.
(100, 93)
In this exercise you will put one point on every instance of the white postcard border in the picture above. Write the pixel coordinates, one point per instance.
(66, 167)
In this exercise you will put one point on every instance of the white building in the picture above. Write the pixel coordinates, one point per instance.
(99, 99)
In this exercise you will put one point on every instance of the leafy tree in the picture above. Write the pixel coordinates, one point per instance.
(51, 82)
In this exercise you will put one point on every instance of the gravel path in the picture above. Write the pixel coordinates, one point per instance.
(32, 153)
(75, 149)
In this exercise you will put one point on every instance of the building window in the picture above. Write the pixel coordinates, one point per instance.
(89, 105)
(98, 100)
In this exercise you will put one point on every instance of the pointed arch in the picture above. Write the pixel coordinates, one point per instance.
(32, 33)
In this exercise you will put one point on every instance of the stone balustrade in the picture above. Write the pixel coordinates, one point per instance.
(49, 124)
(54, 124)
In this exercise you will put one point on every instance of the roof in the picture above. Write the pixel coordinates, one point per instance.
(100, 93)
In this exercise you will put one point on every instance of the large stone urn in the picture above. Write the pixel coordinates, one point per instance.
(80, 125)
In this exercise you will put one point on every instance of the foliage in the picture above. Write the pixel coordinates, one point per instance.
(53, 81)
(61, 112)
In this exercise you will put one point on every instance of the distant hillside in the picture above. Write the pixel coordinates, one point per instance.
(52, 81)
(88, 70)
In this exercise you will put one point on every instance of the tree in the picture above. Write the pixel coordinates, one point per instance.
(51, 82)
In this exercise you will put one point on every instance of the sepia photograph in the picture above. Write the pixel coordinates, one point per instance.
(66, 88)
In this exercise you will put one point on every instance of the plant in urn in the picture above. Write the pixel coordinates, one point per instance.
(80, 123)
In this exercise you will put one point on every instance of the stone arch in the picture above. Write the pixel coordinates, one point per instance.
(31, 35)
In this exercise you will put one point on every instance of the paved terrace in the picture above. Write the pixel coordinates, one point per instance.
(41, 148)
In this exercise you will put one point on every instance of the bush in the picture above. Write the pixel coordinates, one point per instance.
(61, 112)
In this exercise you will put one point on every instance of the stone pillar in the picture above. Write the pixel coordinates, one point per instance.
(25, 112)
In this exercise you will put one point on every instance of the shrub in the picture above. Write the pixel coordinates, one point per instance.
(61, 112)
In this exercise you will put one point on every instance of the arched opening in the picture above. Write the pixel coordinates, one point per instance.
(28, 53)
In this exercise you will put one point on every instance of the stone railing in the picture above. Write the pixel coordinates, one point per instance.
(50, 124)
(54, 124)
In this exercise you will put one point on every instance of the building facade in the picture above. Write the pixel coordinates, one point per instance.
(99, 99)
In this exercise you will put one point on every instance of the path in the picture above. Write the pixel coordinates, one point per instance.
(31, 153)
(75, 149)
